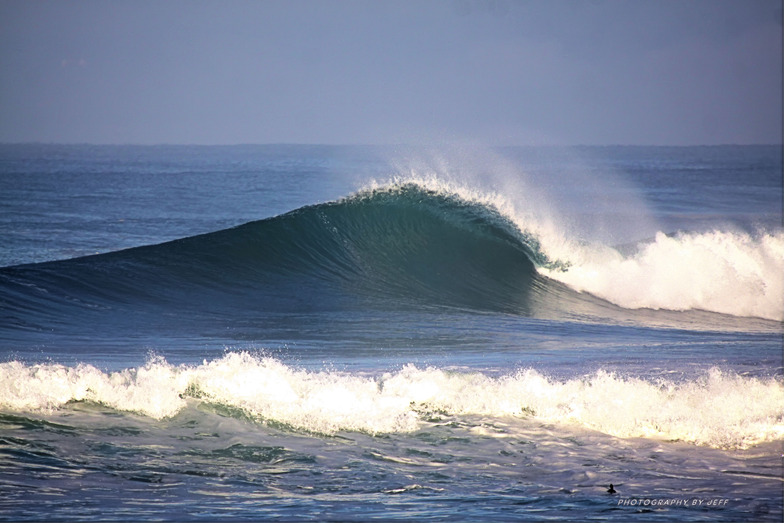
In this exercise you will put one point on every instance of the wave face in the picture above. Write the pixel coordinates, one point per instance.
(411, 243)
(382, 247)
(719, 409)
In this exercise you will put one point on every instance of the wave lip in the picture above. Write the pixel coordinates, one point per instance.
(719, 409)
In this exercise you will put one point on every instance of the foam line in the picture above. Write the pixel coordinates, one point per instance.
(719, 409)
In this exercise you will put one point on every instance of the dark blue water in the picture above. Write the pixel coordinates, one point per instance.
(312, 332)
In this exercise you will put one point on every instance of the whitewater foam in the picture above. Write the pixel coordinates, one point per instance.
(718, 409)
(719, 271)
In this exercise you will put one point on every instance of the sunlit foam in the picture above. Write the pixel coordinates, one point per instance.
(719, 409)
(730, 273)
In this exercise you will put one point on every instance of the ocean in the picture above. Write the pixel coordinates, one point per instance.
(349, 333)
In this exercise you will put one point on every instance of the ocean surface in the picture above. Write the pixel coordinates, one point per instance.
(355, 333)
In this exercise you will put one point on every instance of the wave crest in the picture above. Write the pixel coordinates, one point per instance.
(733, 273)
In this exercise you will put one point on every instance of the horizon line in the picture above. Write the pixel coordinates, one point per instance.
(401, 144)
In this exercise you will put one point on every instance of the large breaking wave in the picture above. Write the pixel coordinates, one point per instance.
(418, 241)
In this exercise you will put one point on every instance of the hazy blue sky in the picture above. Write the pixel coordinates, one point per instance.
(490, 72)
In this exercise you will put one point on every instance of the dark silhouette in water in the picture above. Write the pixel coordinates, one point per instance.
(611, 490)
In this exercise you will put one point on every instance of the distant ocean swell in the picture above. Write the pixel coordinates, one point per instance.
(718, 409)
(415, 241)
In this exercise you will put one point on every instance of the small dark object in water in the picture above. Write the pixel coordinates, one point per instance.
(611, 490)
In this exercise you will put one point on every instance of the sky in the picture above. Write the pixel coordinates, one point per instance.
(491, 72)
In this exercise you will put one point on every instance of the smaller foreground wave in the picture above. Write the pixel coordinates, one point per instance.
(719, 409)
